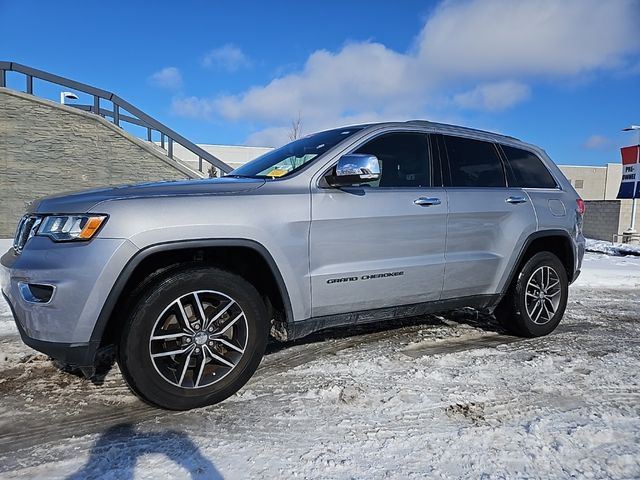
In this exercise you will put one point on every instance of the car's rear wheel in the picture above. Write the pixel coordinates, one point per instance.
(535, 302)
(193, 338)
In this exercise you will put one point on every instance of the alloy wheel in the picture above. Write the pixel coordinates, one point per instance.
(198, 339)
(542, 295)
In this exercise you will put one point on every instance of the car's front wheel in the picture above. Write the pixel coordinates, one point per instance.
(535, 302)
(193, 338)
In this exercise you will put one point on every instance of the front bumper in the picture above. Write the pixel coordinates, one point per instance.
(77, 354)
(82, 274)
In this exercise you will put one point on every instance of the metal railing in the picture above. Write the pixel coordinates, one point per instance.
(167, 136)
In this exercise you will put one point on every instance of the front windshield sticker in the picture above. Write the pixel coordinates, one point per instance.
(277, 172)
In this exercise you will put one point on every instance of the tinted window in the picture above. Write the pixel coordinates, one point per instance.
(404, 159)
(473, 163)
(527, 170)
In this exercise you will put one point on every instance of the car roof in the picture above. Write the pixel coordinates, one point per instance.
(442, 128)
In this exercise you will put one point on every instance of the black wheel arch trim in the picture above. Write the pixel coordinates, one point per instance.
(530, 239)
(114, 295)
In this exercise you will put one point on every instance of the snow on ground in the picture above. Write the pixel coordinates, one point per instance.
(6, 323)
(7, 326)
(438, 396)
(604, 271)
(601, 246)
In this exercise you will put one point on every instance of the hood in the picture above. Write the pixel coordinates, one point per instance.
(83, 201)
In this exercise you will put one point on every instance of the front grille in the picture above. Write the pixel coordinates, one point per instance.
(27, 228)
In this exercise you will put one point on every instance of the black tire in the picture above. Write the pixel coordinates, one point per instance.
(521, 312)
(152, 381)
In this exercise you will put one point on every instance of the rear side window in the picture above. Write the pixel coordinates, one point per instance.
(473, 163)
(526, 170)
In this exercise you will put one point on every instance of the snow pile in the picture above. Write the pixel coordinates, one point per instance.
(609, 248)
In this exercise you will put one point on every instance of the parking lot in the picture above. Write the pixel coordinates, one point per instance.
(448, 396)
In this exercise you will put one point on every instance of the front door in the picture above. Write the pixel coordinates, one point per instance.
(381, 244)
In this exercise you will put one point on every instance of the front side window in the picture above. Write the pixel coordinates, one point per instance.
(473, 163)
(403, 157)
(527, 170)
(293, 156)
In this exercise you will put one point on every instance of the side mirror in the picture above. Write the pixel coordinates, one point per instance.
(354, 169)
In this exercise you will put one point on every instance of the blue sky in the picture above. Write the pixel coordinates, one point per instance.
(564, 75)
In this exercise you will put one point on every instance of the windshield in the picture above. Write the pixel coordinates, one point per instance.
(286, 160)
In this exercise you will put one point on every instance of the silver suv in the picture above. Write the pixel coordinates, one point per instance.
(185, 281)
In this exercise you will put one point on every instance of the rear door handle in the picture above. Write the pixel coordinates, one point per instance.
(516, 200)
(427, 201)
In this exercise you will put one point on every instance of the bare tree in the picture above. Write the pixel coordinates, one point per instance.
(296, 128)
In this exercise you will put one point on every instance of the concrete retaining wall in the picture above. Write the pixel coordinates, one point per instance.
(605, 218)
(602, 219)
(48, 148)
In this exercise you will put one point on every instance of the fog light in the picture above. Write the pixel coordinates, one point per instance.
(36, 292)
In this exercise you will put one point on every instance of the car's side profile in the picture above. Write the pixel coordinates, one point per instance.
(358, 224)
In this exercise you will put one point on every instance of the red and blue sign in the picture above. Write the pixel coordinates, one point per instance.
(630, 185)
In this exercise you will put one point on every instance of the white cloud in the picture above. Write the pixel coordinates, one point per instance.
(597, 142)
(350, 80)
(168, 77)
(486, 38)
(192, 107)
(493, 97)
(480, 54)
(269, 137)
(228, 57)
(279, 135)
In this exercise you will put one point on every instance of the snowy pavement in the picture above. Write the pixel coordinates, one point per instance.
(438, 396)
(601, 246)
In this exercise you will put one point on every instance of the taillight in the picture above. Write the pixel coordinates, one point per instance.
(581, 206)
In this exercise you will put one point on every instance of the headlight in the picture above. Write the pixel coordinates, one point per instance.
(65, 228)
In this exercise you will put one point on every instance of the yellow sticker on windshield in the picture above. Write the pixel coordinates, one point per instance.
(277, 172)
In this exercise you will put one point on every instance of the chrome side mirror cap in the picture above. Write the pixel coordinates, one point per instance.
(355, 169)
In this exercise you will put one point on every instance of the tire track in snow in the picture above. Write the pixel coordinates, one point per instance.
(96, 420)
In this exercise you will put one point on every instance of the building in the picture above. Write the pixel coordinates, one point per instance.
(594, 183)
(606, 217)
(232, 155)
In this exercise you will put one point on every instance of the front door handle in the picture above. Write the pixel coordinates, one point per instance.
(516, 200)
(427, 201)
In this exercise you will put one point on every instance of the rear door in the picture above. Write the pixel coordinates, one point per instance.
(382, 244)
(488, 221)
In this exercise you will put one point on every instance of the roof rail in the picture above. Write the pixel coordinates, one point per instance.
(458, 127)
(139, 117)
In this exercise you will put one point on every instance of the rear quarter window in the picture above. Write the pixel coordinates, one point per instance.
(526, 170)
